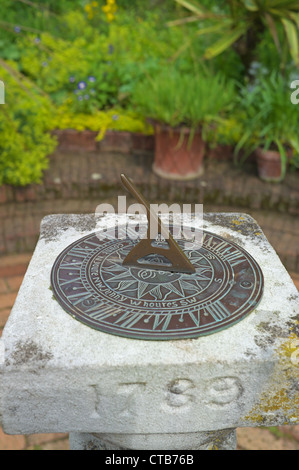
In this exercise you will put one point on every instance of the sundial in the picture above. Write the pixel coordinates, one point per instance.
(156, 288)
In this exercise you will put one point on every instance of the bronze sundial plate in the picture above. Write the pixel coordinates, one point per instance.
(90, 282)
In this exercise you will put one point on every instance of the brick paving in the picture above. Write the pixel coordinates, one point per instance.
(12, 270)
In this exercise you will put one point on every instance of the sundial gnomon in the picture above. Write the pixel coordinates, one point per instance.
(97, 282)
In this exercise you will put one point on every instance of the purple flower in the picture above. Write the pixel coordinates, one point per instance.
(91, 79)
(44, 64)
(82, 85)
(80, 98)
(17, 29)
(110, 49)
(115, 117)
(92, 91)
(72, 79)
(37, 40)
(86, 97)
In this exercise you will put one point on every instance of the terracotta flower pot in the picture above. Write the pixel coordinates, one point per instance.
(269, 165)
(178, 155)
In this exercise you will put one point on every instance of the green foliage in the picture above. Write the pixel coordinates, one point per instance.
(187, 98)
(24, 129)
(241, 23)
(68, 64)
(100, 121)
(116, 59)
(26, 121)
(268, 118)
(19, 17)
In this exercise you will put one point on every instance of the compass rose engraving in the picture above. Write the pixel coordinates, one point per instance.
(139, 283)
(92, 284)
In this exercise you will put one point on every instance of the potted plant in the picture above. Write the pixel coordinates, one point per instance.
(270, 126)
(183, 107)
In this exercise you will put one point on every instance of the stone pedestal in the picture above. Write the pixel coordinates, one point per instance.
(110, 392)
(224, 439)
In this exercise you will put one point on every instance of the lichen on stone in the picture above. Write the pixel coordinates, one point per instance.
(279, 404)
(28, 352)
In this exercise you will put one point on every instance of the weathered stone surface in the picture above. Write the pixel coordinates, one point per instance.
(58, 375)
(224, 439)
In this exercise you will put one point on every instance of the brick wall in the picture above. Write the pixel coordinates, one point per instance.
(81, 177)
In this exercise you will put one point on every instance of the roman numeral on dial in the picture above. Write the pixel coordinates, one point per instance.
(229, 254)
(218, 311)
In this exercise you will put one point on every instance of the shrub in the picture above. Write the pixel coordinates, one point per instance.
(180, 98)
(25, 139)
(100, 121)
(116, 57)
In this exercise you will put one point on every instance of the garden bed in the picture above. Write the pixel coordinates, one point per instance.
(122, 141)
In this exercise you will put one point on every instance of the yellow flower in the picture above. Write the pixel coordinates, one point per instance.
(110, 17)
(109, 9)
(94, 4)
(88, 8)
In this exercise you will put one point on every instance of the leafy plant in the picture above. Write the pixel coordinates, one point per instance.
(100, 121)
(116, 58)
(269, 120)
(239, 24)
(179, 98)
(25, 138)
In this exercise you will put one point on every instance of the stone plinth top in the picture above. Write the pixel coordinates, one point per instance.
(59, 375)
